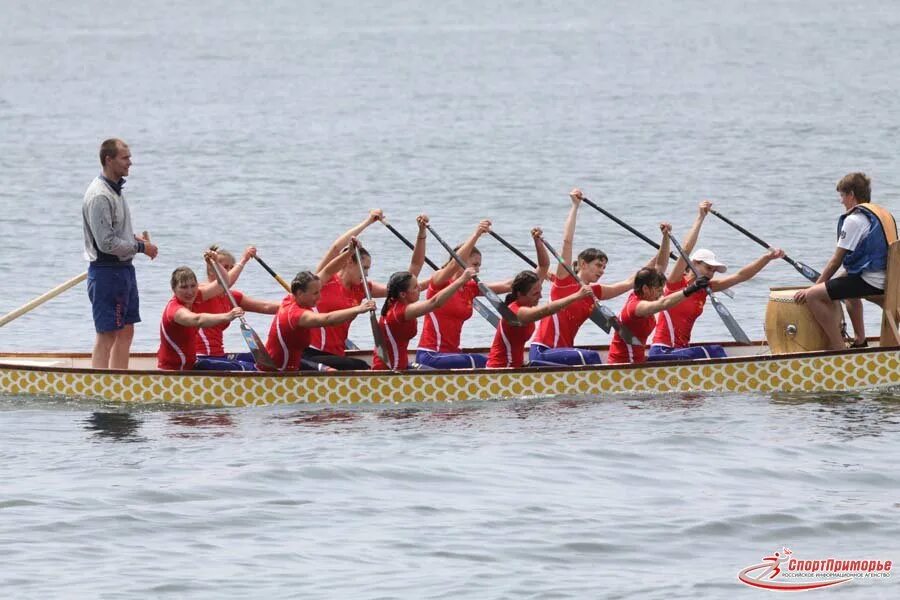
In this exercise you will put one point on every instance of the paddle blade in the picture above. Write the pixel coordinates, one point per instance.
(257, 349)
(602, 321)
(484, 310)
(508, 315)
(378, 338)
(736, 332)
(625, 333)
(807, 271)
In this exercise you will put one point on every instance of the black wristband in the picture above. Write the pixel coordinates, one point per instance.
(140, 247)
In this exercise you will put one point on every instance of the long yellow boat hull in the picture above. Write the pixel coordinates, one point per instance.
(750, 371)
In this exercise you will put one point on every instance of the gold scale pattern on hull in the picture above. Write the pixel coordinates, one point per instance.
(829, 372)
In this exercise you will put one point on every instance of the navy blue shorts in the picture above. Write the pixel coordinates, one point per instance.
(114, 296)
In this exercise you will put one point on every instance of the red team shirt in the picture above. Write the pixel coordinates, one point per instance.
(508, 349)
(443, 327)
(558, 331)
(287, 340)
(641, 327)
(674, 326)
(177, 343)
(397, 332)
(209, 339)
(335, 297)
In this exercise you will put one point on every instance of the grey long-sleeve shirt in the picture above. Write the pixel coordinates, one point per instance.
(107, 223)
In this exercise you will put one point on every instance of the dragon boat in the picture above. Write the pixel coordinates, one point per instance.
(748, 368)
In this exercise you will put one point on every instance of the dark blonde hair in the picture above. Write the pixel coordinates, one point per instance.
(362, 252)
(222, 252)
(857, 184)
(182, 275)
(302, 280)
(451, 260)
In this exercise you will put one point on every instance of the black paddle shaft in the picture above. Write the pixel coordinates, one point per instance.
(491, 296)
(730, 322)
(601, 315)
(479, 307)
(805, 270)
(408, 243)
(628, 227)
(514, 250)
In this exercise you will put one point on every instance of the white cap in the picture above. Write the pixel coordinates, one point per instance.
(706, 256)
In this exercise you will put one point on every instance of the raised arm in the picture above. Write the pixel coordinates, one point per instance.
(418, 256)
(443, 274)
(338, 262)
(748, 271)
(690, 240)
(211, 289)
(569, 233)
(417, 309)
(661, 260)
(543, 257)
(374, 215)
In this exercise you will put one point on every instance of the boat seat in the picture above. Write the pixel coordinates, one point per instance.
(890, 319)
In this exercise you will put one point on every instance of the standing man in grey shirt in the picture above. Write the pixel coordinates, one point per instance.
(109, 245)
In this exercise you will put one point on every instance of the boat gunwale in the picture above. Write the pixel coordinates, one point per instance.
(426, 372)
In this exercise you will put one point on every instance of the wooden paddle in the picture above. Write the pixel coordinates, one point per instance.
(48, 295)
(602, 316)
(277, 277)
(805, 270)
(348, 343)
(480, 307)
(513, 249)
(490, 295)
(257, 349)
(373, 320)
(723, 311)
(31, 305)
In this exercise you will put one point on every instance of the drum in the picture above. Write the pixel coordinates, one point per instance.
(791, 327)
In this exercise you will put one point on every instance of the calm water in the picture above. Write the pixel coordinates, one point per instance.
(281, 125)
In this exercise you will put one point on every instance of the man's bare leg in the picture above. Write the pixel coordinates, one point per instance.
(827, 313)
(121, 349)
(102, 347)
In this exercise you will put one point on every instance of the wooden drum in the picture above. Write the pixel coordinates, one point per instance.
(791, 327)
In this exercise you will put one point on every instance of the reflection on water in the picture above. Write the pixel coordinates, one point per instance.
(319, 417)
(202, 424)
(116, 426)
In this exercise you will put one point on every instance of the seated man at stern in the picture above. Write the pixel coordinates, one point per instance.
(864, 233)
